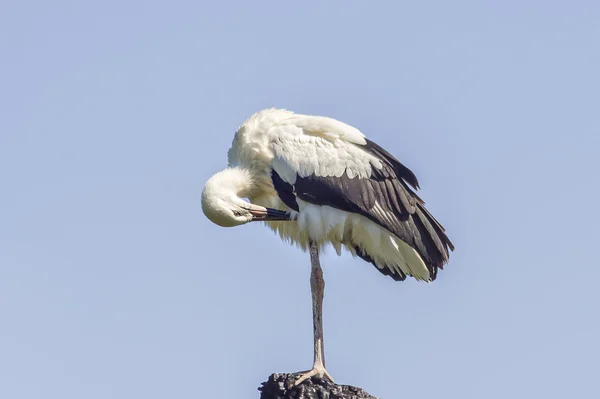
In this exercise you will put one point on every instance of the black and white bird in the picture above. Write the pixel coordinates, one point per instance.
(317, 181)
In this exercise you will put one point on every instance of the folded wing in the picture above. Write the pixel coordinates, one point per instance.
(326, 164)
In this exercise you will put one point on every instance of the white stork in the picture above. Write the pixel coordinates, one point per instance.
(317, 181)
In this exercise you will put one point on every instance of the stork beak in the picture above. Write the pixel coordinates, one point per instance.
(261, 214)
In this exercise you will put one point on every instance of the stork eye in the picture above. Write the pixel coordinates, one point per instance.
(237, 213)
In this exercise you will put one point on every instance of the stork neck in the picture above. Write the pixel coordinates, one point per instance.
(232, 181)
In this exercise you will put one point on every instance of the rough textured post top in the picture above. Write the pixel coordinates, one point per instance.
(281, 386)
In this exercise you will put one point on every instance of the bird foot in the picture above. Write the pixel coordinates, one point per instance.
(317, 371)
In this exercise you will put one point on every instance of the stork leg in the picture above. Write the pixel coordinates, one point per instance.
(317, 288)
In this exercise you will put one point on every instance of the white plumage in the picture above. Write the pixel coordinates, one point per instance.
(318, 181)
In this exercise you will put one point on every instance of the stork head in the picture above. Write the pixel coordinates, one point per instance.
(223, 203)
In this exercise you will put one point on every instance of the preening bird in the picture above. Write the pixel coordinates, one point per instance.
(317, 181)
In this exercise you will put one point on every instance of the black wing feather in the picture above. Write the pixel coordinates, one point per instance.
(285, 191)
(400, 170)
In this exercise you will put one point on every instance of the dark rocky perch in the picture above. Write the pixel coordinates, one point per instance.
(281, 386)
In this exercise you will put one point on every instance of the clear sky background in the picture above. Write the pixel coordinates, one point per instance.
(113, 114)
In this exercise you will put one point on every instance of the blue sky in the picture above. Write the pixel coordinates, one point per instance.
(113, 114)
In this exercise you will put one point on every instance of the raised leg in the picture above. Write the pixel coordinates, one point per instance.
(317, 288)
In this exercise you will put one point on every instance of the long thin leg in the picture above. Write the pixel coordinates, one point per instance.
(317, 288)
